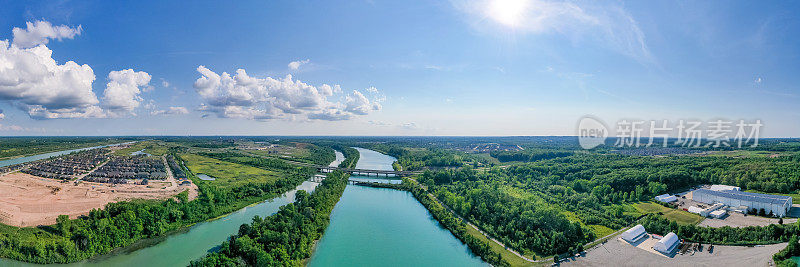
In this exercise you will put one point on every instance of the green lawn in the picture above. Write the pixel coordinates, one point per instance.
(227, 174)
(150, 147)
(679, 216)
(509, 257)
(599, 230)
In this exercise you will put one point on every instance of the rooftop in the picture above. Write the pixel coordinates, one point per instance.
(763, 198)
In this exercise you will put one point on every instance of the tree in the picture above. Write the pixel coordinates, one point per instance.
(63, 225)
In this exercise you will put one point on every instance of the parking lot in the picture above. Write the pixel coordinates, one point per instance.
(732, 219)
(617, 252)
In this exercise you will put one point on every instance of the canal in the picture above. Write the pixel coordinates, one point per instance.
(369, 226)
(385, 227)
(19, 160)
(178, 249)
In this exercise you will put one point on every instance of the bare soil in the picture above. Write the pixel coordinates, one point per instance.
(27, 200)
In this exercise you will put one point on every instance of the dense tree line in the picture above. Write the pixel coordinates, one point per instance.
(23, 146)
(523, 224)
(351, 156)
(285, 238)
(783, 257)
(321, 155)
(122, 223)
(523, 204)
(751, 235)
(448, 220)
(529, 155)
(427, 158)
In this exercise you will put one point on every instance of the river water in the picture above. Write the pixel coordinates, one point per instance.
(369, 227)
(385, 227)
(13, 161)
(339, 159)
(178, 249)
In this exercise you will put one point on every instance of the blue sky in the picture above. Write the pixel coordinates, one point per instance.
(495, 67)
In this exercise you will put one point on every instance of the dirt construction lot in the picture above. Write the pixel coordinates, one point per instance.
(620, 253)
(27, 200)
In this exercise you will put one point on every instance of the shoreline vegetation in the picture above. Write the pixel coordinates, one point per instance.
(26, 147)
(121, 224)
(288, 237)
(285, 238)
(456, 226)
(542, 205)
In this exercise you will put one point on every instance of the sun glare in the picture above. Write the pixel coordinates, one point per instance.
(507, 12)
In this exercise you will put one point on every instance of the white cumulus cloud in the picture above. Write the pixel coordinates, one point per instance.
(171, 111)
(33, 81)
(41, 86)
(40, 32)
(122, 94)
(357, 103)
(245, 96)
(294, 65)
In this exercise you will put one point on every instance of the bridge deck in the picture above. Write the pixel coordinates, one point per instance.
(324, 168)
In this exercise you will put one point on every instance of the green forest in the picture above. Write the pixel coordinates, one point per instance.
(123, 223)
(285, 238)
(548, 199)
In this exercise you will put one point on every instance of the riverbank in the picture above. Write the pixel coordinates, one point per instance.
(299, 225)
(122, 224)
(62, 148)
(303, 222)
(379, 226)
(458, 227)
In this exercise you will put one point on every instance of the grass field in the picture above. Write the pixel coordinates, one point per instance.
(511, 258)
(150, 147)
(679, 216)
(227, 174)
(598, 230)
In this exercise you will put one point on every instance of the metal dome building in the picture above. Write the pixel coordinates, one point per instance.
(633, 234)
(667, 244)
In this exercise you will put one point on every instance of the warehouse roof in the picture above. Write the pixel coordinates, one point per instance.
(668, 243)
(719, 187)
(633, 234)
(756, 197)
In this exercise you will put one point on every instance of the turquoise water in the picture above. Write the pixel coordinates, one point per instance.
(13, 161)
(386, 227)
(339, 159)
(179, 249)
(205, 177)
(796, 260)
(369, 227)
(140, 152)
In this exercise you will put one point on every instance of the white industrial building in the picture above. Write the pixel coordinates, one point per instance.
(634, 234)
(694, 209)
(666, 198)
(717, 214)
(667, 244)
(778, 205)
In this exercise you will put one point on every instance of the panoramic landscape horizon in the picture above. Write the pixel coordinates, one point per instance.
(399, 133)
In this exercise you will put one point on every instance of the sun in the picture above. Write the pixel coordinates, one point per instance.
(507, 12)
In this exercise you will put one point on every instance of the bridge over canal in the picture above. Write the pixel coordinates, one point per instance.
(354, 171)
